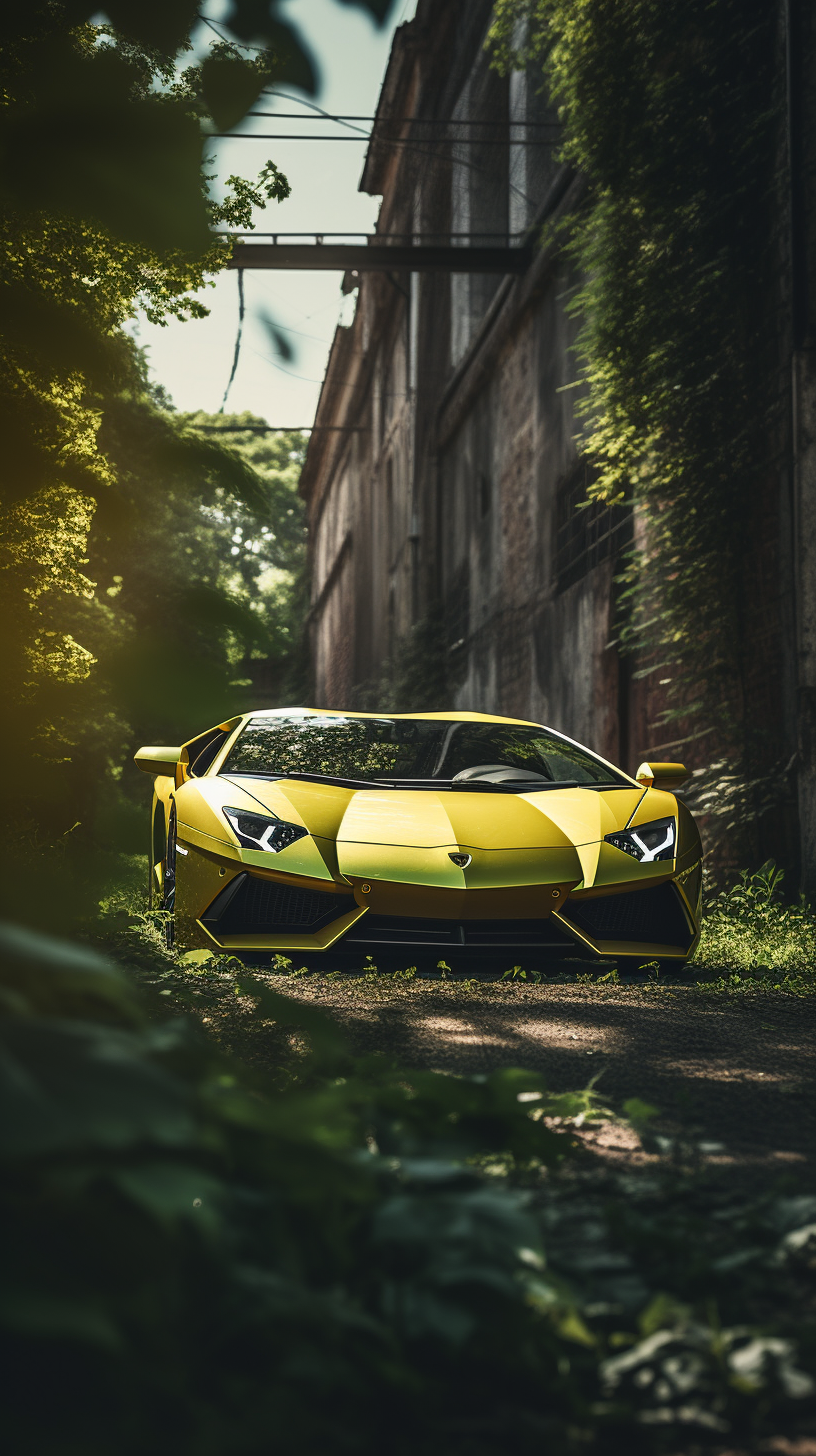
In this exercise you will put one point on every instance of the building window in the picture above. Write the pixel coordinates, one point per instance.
(585, 534)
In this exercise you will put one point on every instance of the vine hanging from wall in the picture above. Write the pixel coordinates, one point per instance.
(671, 113)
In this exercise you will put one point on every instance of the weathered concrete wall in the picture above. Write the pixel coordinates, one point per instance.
(333, 591)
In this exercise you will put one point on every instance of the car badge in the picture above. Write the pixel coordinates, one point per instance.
(462, 860)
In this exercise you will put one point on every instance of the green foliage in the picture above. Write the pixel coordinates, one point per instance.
(415, 677)
(120, 601)
(215, 578)
(277, 459)
(199, 1259)
(685, 1272)
(750, 930)
(518, 973)
(149, 632)
(124, 602)
(670, 114)
(205, 1255)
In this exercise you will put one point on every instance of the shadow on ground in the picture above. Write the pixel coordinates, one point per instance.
(735, 1073)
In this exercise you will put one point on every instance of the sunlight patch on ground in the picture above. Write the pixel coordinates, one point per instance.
(693, 1067)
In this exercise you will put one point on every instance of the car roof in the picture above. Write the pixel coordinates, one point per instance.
(444, 717)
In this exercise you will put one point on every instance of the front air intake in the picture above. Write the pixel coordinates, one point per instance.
(250, 905)
(382, 930)
(654, 916)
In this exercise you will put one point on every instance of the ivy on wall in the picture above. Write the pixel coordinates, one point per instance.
(672, 115)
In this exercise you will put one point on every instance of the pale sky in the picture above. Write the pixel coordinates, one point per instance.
(193, 360)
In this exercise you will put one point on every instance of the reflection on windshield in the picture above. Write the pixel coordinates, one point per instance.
(408, 748)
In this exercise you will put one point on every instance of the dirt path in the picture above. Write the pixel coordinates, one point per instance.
(736, 1074)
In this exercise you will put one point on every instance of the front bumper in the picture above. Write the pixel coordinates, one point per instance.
(264, 912)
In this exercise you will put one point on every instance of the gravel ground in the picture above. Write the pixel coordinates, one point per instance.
(732, 1077)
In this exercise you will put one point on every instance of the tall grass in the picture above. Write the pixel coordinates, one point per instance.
(750, 930)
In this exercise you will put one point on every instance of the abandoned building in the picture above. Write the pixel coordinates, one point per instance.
(448, 481)
(454, 481)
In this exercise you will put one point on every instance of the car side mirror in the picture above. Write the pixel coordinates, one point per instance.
(661, 775)
(158, 761)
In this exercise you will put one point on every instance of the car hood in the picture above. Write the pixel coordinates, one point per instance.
(409, 834)
(427, 819)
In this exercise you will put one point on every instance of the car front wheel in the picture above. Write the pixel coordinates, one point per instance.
(169, 879)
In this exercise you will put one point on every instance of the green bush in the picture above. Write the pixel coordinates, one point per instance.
(750, 928)
(204, 1264)
(210, 1261)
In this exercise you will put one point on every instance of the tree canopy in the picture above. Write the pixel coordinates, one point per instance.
(116, 606)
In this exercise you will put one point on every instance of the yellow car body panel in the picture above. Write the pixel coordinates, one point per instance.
(585, 818)
(532, 856)
(489, 869)
(435, 902)
(424, 819)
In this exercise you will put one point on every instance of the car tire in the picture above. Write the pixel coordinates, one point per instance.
(169, 881)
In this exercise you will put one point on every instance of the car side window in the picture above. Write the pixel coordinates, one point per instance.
(203, 752)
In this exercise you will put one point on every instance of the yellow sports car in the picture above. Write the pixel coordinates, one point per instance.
(309, 831)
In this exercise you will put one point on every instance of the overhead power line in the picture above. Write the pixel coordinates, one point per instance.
(302, 136)
(402, 120)
(406, 143)
(381, 239)
(276, 429)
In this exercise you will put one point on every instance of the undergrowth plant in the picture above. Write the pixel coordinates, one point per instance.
(207, 1257)
(749, 929)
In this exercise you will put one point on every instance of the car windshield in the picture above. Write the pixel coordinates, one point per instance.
(374, 749)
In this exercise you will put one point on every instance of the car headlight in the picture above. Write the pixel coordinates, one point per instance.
(262, 831)
(648, 842)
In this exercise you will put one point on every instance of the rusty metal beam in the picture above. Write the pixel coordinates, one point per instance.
(360, 258)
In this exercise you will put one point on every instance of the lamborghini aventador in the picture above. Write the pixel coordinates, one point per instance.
(334, 834)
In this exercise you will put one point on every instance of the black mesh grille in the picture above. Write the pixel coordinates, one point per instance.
(261, 907)
(654, 916)
(399, 930)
